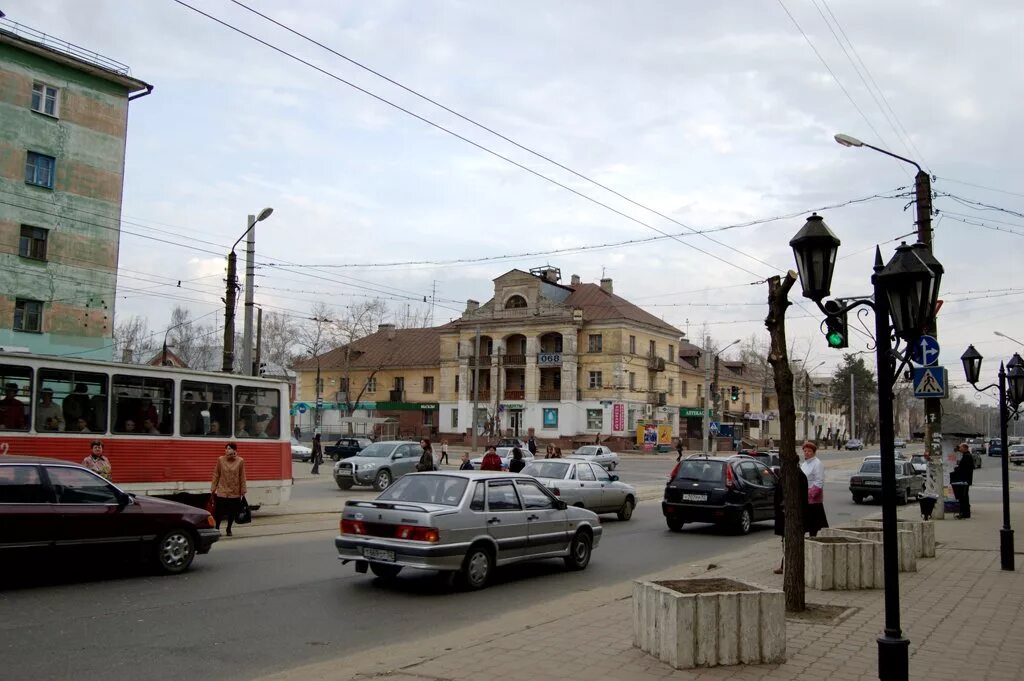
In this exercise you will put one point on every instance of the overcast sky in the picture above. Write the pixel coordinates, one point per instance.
(713, 114)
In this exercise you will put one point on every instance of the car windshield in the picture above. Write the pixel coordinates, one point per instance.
(446, 490)
(547, 469)
(378, 450)
(1017, 449)
(871, 467)
(703, 470)
(587, 451)
(917, 458)
(295, 443)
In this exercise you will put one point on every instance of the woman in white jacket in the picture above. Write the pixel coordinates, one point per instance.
(814, 469)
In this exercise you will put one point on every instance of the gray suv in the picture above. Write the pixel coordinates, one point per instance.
(378, 464)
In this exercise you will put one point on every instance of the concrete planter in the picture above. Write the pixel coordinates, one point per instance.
(924, 534)
(841, 563)
(904, 539)
(709, 622)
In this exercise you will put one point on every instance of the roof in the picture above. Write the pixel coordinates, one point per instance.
(600, 305)
(385, 348)
(17, 458)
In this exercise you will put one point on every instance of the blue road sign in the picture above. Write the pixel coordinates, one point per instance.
(714, 427)
(930, 382)
(925, 352)
(302, 408)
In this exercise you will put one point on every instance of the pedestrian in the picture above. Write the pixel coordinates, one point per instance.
(557, 454)
(228, 485)
(491, 461)
(780, 511)
(96, 462)
(297, 433)
(467, 465)
(444, 452)
(961, 478)
(531, 441)
(426, 462)
(814, 519)
(679, 450)
(318, 454)
(517, 463)
(549, 451)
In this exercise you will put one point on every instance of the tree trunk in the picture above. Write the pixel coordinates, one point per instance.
(793, 577)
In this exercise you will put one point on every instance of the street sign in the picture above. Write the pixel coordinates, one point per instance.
(302, 408)
(713, 428)
(925, 352)
(930, 382)
(319, 403)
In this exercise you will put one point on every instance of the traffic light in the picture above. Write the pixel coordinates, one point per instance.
(836, 331)
(734, 393)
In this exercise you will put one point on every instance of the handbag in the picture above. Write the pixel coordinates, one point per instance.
(815, 495)
(211, 504)
(245, 514)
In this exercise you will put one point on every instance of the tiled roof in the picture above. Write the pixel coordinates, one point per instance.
(599, 305)
(388, 347)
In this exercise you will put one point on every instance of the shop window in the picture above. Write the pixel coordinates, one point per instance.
(595, 419)
(71, 401)
(206, 410)
(141, 405)
(16, 405)
(455, 419)
(258, 412)
(428, 417)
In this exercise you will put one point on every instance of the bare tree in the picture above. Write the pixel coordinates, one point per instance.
(279, 340)
(195, 344)
(133, 342)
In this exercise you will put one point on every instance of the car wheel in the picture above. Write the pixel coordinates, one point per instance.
(579, 552)
(477, 568)
(858, 498)
(674, 524)
(175, 551)
(382, 481)
(743, 522)
(344, 484)
(385, 571)
(626, 512)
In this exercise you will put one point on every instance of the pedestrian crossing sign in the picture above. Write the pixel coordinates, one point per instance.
(930, 382)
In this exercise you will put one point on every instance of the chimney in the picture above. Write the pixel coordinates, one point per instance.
(606, 285)
(471, 306)
(575, 280)
(385, 327)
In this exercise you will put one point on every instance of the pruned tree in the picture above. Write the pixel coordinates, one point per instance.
(794, 497)
(133, 342)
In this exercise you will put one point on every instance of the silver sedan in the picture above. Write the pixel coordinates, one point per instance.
(464, 522)
(584, 484)
(598, 454)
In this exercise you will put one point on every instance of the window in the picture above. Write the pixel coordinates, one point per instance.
(600, 473)
(428, 417)
(33, 242)
(632, 380)
(477, 504)
(455, 419)
(260, 410)
(584, 472)
(45, 99)
(595, 379)
(594, 342)
(76, 486)
(22, 485)
(39, 169)
(749, 472)
(142, 405)
(671, 353)
(595, 419)
(371, 384)
(632, 345)
(686, 389)
(398, 383)
(533, 496)
(671, 385)
(456, 384)
(71, 401)
(501, 496)
(427, 489)
(428, 385)
(652, 349)
(515, 302)
(28, 315)
(15, 407)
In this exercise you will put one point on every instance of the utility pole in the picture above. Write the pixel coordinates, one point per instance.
(250, 268)
(707, 397)
(229, 315)
(476, 386)
(807, 404)
(714, 404)
(259, 342)
(853, 410)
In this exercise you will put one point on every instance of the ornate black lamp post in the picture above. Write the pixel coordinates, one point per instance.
(905, 292)
(1011, 394)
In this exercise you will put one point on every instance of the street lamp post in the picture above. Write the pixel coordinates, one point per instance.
(1011, 394)
(903, 300)
(1009, 338)
(231, 290)
(709, 399)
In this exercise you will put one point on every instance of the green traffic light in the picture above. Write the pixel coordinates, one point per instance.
(835, 339)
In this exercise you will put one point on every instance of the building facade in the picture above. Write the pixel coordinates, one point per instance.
(64, 117)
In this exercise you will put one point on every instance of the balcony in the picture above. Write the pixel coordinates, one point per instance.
(484, 396)
(514, 360)
(549, 394)
(515, 395)
(481, 361)
(657, 399)
(655, 363)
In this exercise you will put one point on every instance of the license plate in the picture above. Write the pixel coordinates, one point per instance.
(695, 497)
(872, 483)
(344, 472)
(379, 554)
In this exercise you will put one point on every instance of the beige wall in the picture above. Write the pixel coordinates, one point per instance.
(333, 380)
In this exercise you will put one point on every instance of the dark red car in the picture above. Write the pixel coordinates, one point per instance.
(48, 505)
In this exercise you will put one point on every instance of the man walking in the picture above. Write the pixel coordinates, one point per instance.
(531, 441)
(318, 455)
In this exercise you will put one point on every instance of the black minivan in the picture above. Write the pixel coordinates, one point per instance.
(732, 492)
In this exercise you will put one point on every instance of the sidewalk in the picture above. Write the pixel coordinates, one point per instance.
(961, 613)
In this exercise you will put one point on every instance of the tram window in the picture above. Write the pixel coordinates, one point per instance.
(16, 404)
(258, 412)
(141, 405)
(82, 400)
(205, 409)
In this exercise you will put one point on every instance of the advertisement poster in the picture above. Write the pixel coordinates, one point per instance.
(618, 416)
(664, 435)
(550, 418)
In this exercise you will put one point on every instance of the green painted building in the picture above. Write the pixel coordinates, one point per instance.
(63, 129)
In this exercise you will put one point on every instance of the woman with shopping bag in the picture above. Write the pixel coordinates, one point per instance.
(815, 519)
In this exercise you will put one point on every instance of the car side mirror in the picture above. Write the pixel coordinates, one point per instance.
(561, 505)
(123, 499)
(614, 478)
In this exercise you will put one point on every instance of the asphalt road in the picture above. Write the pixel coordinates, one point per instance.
(255, 606)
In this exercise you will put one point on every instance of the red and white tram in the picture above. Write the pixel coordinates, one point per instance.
(162, 428)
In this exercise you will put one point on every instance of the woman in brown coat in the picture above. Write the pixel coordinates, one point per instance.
(228, 485)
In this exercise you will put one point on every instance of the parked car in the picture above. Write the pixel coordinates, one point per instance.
(1017, 455)
(768, 458)
(867, 482)
(732, 491)
(977, 450)
(995, 448)
(379, 464)
(346, 447)
(899, 443)
(598, 454)
(506, 456)
(919, 463)
(464, 522)
(854, 444)
(585, 484)
(49, 505)
(301, 451)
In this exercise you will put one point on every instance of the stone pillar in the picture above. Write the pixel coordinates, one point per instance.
(532, 383)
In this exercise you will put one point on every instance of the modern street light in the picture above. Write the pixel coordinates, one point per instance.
(1003, 335)
(228, 364)
(1011, 394)
(903, 302)
(709, 398)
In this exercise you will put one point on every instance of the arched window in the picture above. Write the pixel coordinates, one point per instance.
(515, 302)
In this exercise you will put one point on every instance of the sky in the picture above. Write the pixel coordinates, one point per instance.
(714, 115)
